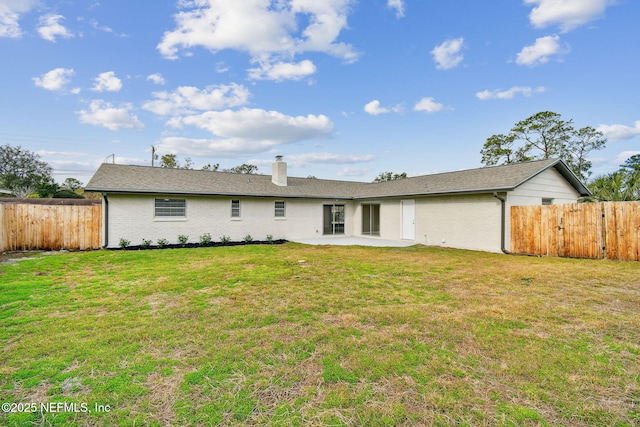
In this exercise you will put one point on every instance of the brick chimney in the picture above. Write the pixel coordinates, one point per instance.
(279, 172)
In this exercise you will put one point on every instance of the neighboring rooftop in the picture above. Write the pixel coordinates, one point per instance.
(112, 178)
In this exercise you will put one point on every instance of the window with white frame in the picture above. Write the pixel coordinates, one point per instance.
(235, 209)
(547, 201)
(279, 209)
(171, 208)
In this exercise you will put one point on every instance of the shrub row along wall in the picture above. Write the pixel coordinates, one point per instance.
(589, 230)
(28, 226)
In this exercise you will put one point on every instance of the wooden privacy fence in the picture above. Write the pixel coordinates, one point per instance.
(29, 226)
(587, 230)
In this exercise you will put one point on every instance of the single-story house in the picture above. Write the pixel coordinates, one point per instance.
(467, 209)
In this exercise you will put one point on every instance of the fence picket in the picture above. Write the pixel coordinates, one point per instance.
(27, 226)
(588, 230)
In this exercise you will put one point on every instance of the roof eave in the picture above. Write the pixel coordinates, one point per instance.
(440, 193)
(567, 174)
(204, 193)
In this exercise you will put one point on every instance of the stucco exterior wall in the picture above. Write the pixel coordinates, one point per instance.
(132, 217)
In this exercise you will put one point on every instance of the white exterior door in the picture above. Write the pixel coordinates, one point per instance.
(409, 219)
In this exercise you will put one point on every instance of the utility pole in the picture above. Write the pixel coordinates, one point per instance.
(154, 156)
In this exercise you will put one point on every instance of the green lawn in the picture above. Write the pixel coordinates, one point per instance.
(294, 335)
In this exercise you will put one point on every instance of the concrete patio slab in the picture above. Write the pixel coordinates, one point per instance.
(355, 241)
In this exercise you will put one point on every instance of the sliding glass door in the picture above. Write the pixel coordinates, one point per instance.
(333, 219)
(371, 219)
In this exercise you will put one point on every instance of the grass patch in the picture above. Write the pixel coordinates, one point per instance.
(316, 335)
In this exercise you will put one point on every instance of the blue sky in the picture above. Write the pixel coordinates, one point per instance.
(343, 89)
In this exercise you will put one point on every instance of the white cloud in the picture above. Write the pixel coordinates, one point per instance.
(541, 51)
(283, 71)
(221, 67)
(567, 14)
(55, 79)
(101, 113)
(189, 99)
(375, 109)
(50, 28)
(157, 79)
(447, 55)
(428, 105)
(107, 82)
(398, 5)
(620, 132)
(349, 171)
(246, 131)
(268, 30)
(509, 93)
(65, 163)
(300, 160)
(622, 157)
(10, 11)
(105, 28)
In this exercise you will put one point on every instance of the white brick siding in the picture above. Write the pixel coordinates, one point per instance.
(131, 217)
(461, 221)
(465, 222)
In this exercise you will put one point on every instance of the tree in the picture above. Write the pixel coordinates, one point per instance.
(243, 168)
(72, 184)
(544, 132)
(71, 188)
(632, 163)
(612, 187)
(584, 141)
(621, 185)
(211, 168)
(389, 176)
(542, 136)
(21, 169)
(188, 163)
(499, 150)
(169, 161)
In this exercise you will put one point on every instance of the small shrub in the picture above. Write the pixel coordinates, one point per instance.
(124, 243)
(162, 243)
(205, 239)
(269, 238)
(248, 238)
(225, 239)
(146, 243)
(182, 239)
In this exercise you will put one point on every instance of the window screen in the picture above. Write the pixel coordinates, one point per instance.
(171, 208)
(235, 208)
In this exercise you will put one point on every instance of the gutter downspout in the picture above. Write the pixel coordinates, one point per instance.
(503, 203)
(106, 220)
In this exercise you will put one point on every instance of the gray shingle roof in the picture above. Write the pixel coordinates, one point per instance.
(111, 178)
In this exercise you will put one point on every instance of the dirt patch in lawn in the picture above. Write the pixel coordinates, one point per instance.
(17, 256)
